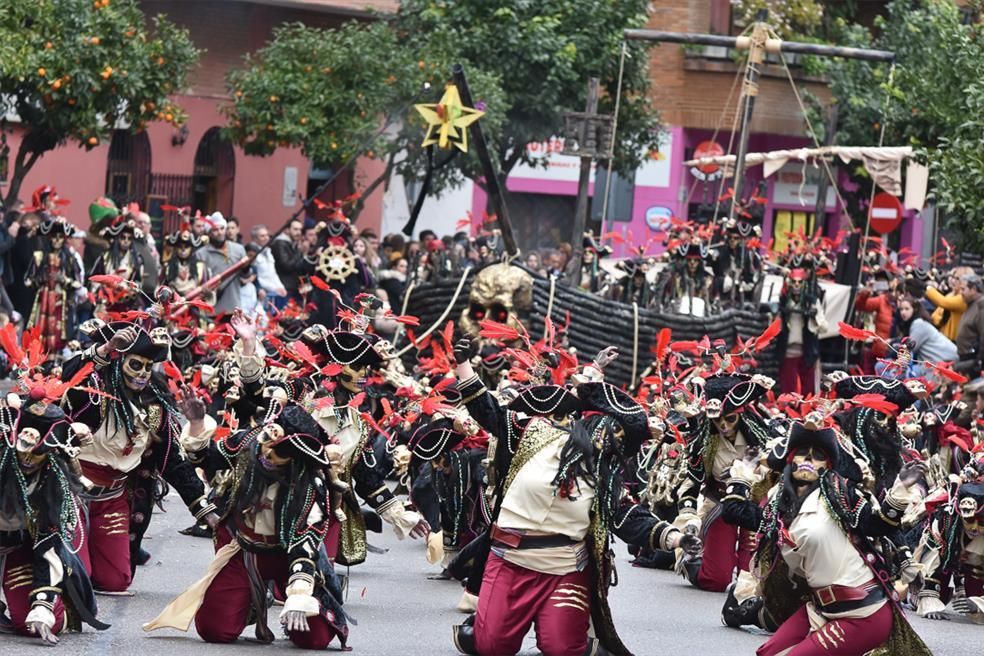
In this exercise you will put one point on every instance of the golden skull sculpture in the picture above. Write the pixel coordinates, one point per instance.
(500, 292)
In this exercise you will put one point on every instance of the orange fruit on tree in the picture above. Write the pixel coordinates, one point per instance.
(56, 85)
(42, 72)
(93, 141)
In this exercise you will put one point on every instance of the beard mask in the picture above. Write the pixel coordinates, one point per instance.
(136, 372)
(808, 462)
(352, 379)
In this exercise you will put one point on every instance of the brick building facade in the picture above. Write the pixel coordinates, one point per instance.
(192, 165)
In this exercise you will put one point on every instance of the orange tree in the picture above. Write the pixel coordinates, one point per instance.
(329, 91)
(73, 70)
(345, 92)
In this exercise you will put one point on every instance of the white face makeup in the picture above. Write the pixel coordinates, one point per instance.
(808, 462)
(136, 371)
(727, 425)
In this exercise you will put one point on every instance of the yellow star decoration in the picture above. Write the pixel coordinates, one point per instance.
(448, 121)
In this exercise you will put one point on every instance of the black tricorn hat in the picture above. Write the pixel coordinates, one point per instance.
(51, 227)
(824, 438)
(118, 227)
(154, 345)
(303, 436)
(343, 347)
(48, 419)
(893, 390)
(728, 393)
(432, 439)
(184, 236)
(630, 415)
(545, 400)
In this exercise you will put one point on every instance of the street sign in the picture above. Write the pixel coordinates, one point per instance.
(707, 172)
(886, 213)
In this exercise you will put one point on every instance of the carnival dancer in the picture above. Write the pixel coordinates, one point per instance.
(275, 513)
(803, 322)
(815, 538)
(560, 495)
(135, 428)
(54, 272)
(952, 551)
(123, 261)
(183, 272)
(354, 354)
(718, 433)
(40, 517)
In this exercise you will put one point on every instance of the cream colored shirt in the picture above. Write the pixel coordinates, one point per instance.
(109, 442)
(824, 555)
(263, 518)
(727, 452)
(343, 424)
(530, 504)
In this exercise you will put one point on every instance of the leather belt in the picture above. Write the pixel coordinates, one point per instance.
(842, 598)
(513, 540)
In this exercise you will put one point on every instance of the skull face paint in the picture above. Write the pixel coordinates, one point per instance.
(726, 425)
(136, 371)
(808, 462)
(352, 379)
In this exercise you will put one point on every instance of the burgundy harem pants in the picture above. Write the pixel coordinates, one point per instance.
(726, 547)
(513, 597)
(225, 611)
(843, 637)
(18, 581)
(105, 550)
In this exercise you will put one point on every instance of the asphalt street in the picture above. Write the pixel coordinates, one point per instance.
(402, 612)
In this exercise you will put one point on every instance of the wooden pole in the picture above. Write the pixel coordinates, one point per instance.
(773, 45)
(820, 213)
(488, 166)
(583, 182)
(756, 56)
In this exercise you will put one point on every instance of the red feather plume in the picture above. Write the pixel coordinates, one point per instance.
(495, 330)
(848, 331)
(768, 335)
(875, 402)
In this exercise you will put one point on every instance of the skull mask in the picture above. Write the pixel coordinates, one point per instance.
(27, 441)
(500, 292)
(136, 371)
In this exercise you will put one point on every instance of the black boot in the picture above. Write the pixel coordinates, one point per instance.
(143, 556)
(464, 636)
(747, 613)
(691, 567)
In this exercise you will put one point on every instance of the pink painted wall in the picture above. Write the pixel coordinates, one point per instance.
(78, 175)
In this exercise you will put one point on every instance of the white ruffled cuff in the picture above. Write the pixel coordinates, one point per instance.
(194, 443)
(250, 366)
(41, 614)
(929, 604)
(400, 518)
(305, 603)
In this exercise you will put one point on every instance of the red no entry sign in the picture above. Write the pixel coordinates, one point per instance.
(886, 213)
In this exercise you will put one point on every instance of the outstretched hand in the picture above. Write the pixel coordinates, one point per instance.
(605, 356)
(246, 329)
(43, 631)
(191, 405)
(296, 620)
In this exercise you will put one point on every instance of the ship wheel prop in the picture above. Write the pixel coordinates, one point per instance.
(336, 263)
